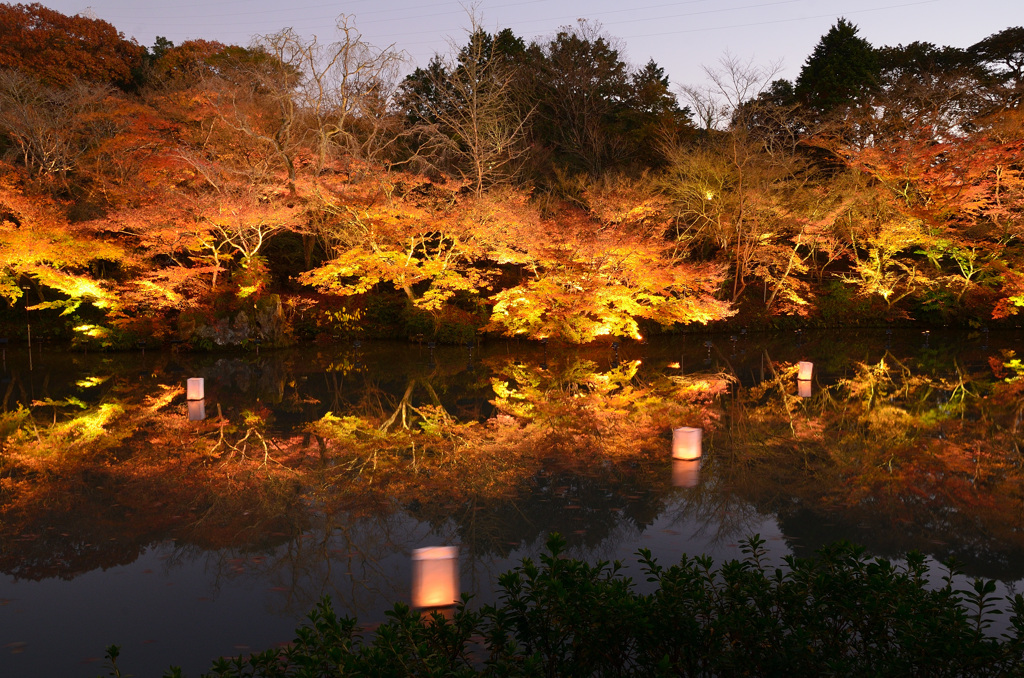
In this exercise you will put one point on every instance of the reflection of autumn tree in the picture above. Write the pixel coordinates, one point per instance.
(616, 406)
(931, 451)
(118, 475)
(573, 412)
(934, 446)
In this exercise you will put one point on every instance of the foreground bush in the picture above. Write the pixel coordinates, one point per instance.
(838, 614)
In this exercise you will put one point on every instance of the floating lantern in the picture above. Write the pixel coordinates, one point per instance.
(196, 410)
(804, 388)
(805, 370)
(435, 576)
(685, 473)
(194, 389)
(686, 443)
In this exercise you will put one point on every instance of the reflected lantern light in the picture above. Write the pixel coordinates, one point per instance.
(685, 473)
(803, 388)
(196, 410)
(435, 576)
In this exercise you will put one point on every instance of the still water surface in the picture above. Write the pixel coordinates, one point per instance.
(186, 588)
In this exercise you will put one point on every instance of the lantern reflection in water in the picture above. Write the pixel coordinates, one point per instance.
(803, 389)
(685, 473)
(804, 371)
(435, 576)
(686, 443)
(196, 410)
(194, 389)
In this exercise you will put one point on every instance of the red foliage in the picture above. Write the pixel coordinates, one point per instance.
(60, 49)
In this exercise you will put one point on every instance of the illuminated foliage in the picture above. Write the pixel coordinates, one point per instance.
(588, 285)
(39, 246)
(570, 200)
(61, 50)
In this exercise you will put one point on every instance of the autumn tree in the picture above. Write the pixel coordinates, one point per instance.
(567, 276)
(924, 85)
(61, 50)
(251, 97)
(947, 173)
(586, 283)
(743, 192)
(45, 124)
(342, 89)
(54, 260)
(176, 67)
(231, 232)
(414, 242)
(469, 111)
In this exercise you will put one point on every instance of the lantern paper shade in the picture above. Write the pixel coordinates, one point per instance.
(196, 410)
(686, 443)
(435, 576)
(803, 388)
(685, 473)
(194, 390)
(806, 369)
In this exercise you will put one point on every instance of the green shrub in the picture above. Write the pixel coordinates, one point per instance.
(838, 614)
(450, 325)
(839, 305)
(383, 315)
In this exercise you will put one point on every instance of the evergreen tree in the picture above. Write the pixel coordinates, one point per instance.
(1001, 55)
(842, 68)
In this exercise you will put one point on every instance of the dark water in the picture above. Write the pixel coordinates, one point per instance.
(85, 574)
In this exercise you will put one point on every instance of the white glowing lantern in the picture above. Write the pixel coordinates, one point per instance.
(806, 369)
(685, 473)
(686, 443)
(194, 390)
(196, 410)
(803, 389)
(435, 576)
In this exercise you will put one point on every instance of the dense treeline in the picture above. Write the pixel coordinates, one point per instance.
(293, 188)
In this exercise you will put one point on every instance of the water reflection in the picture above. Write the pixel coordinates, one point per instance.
(321, 471)
(685, 473)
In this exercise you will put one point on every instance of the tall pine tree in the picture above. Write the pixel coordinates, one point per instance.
(842, 68)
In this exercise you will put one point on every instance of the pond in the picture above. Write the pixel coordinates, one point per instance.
(184, 531)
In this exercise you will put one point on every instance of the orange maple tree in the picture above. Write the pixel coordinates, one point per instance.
(55, 260)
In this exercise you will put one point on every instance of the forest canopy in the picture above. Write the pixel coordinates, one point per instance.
(297, 189)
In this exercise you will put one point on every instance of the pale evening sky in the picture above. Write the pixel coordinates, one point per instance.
(681, 36)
